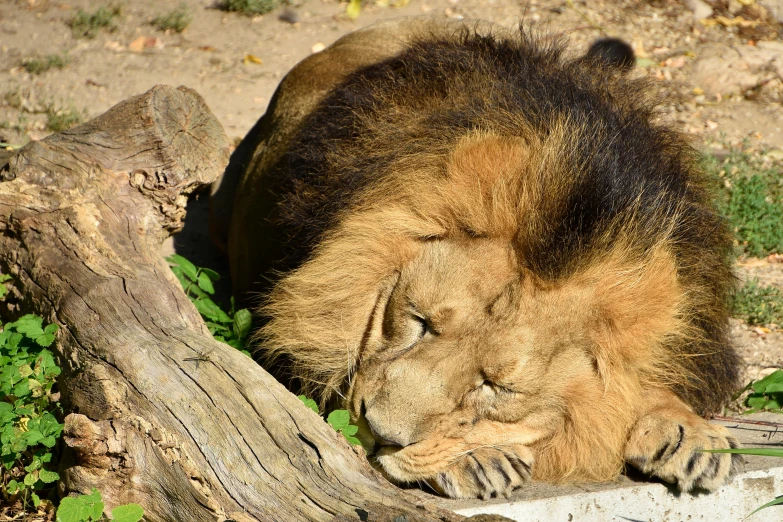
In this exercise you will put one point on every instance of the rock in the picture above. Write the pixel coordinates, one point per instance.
(725, 71)
(775, 9)
(700, 8)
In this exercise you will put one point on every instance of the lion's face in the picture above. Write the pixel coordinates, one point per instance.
(465, 351)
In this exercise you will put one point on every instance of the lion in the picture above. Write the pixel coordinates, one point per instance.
(496, 257)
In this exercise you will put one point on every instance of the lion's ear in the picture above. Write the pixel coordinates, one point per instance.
(636, 307)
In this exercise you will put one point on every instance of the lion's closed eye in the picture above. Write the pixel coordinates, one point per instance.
(413, 328)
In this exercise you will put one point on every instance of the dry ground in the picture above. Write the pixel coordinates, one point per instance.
(721, 80)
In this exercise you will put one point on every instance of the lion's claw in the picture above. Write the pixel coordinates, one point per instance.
(669, 449)
(486, 473)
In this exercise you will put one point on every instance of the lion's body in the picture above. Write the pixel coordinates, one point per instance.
(482, 244)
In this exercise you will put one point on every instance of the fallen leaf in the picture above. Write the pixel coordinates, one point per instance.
(251, 58)
(645, 62)
(353, 9)
(137, 45)
(729, 22)
(774, 258)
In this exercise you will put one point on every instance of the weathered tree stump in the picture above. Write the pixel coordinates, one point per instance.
(162, 414)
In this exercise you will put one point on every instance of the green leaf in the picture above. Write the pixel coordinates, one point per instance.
(242, 322)
(205, 283)
(12, 487)
(45, 340)
(210, 310)
(30, 478)
(36, 499)
(94, 496)
(96, 510)
(246, 353)
(310, 403)
(127, 513)
(48, 476)
(180, 275)
(233, 343)
(350, 430)
(34, 465)
(339, 419)
(73, 509)
(353, 440)
(187, 267)
(756, 401)
(51, 328)
(214, 276)
(29, 325)
(32, 437)
(777, 501)
(194, 291)
(761, 385)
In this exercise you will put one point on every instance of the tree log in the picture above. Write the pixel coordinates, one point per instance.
(160, 413)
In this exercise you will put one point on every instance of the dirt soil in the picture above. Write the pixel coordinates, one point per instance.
(717, 63)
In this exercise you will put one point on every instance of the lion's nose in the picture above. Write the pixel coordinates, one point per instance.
(384, 434)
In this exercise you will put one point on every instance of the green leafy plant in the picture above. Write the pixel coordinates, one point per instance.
(750, 195)
(87, 25)
(757, 304)
(89, 508)
(233, 327)
(176, 20)
(340, 420)
(766, 394)
(230, 327)
(29, 428)
(249, 7)
(47, 63)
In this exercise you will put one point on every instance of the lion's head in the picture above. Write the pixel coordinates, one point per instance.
(444, 341)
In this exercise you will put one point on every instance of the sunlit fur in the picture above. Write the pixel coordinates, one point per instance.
(480, 244)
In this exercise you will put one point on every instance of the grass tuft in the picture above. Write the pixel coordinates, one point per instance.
(58, 120)
(86, 25)
(174, 21)
(750, 194)
(249, 7)
(47, 63)
(757, 304)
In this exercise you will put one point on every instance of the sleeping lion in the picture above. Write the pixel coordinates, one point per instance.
(495, 257)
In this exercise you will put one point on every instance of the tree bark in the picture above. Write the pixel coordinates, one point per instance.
(160, 413)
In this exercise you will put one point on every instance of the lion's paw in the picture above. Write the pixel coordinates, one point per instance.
(486, 473)
(668, 448)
